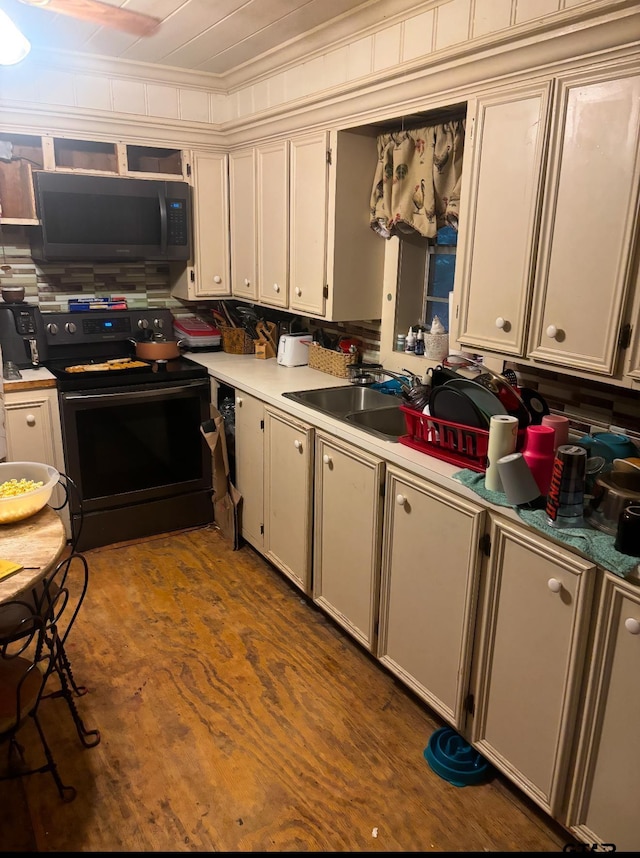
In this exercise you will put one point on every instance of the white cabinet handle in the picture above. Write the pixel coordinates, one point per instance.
(238, 400)
(554, 585)
(217, 279)
(552, 332)
(31, 419)
(632, 626)
(247, 282)
(500, 322)
(401, 500)
(326, 459)
(276, 288)
(297, 444)
(298, 291)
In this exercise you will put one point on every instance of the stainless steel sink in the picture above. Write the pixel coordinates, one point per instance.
(370, 410)
(338, 401)
(386, 423)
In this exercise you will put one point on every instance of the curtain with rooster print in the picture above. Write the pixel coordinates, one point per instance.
(417, 181)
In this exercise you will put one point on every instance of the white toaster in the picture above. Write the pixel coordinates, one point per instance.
(293, 349)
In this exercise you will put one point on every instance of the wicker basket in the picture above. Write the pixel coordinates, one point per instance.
(236, 341)
(335, 363)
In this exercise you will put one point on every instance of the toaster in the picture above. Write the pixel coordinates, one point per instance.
(293, 349)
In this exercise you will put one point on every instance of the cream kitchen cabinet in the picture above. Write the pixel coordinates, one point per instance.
(546, 275)
(430, 573)
(336, 260)
(272, 207)
(249, 453)
(347, 536)
(532, 628)
(288, 495)
(34, 434)
(259, 223)
(603, 805)
(208, 274)
(242, 223)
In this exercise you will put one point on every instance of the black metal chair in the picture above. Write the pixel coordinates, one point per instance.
(26, 663)
(56, 601)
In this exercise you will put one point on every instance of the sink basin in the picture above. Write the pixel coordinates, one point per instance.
(386, 423)
(339, 401)
(370, 410)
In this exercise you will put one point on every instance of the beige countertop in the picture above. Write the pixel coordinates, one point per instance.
(267, 380)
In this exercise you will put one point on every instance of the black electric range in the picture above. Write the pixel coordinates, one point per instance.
(93, 337)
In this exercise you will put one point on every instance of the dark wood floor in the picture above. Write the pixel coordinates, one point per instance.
(236, 717)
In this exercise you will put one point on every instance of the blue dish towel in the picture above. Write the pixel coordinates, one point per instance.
(594, 544)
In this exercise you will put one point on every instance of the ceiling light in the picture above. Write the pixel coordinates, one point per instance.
(14, 47)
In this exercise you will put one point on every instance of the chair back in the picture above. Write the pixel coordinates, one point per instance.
(60, 596)
(25, 665)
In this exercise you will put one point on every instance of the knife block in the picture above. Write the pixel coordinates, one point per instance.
(265, 346)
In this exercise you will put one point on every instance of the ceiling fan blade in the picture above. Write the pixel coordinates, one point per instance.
(102, 14)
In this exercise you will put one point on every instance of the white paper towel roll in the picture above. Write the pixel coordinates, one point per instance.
(503, 438)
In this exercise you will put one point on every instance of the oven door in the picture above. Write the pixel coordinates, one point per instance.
(130, 446)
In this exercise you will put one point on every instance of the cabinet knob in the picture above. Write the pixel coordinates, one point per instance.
(401, 500)
(552, 332)
(500, 322)
(632, 626)
(326, 459)
(298, 291)
(238, 401)
(297, 444)
(554, 585)
(217, 279)
(247, 282)
(31, 419)
(276, 288)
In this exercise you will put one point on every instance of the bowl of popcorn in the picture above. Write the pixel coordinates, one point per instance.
(25, 487)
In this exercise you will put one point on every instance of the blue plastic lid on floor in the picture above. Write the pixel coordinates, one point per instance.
(454, 760)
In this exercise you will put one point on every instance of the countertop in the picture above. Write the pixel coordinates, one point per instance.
(267, 380)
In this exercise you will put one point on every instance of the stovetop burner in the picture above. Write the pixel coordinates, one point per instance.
(95, 337)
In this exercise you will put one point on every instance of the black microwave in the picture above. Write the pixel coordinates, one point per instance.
(110, 218)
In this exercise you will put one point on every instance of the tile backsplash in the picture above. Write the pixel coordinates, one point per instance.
(143, 284)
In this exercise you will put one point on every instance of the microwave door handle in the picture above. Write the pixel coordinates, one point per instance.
(162, 201)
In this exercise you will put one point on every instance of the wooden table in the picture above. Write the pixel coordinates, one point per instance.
(37, 543)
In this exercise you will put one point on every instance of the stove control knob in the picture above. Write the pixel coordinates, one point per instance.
(143, 324)
(70, 327)
(158, 323)
(52, 329)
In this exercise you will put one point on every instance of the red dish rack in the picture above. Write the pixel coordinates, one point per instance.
(460, 445)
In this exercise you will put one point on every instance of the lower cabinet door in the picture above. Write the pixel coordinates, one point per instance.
(347, 530)
(430, 566)
(288, 496)
(534, 620)
(604, 803)
(249, 449)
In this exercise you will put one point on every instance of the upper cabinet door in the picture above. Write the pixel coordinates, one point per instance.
(588, 223)
(273, 223)
(209, 275)
(242, 216)
(308, 229)
(505, 148)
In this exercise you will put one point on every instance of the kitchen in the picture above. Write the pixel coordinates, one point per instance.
(249, 114)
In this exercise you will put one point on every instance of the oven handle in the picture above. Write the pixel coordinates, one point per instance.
(134, 396)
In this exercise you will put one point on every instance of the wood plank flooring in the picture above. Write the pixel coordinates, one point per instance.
(235, 716)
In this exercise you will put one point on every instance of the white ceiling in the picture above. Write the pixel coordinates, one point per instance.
(210, 36)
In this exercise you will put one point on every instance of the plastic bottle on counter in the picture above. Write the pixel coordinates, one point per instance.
(410, 344)
(419, 349)
(401, 341)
